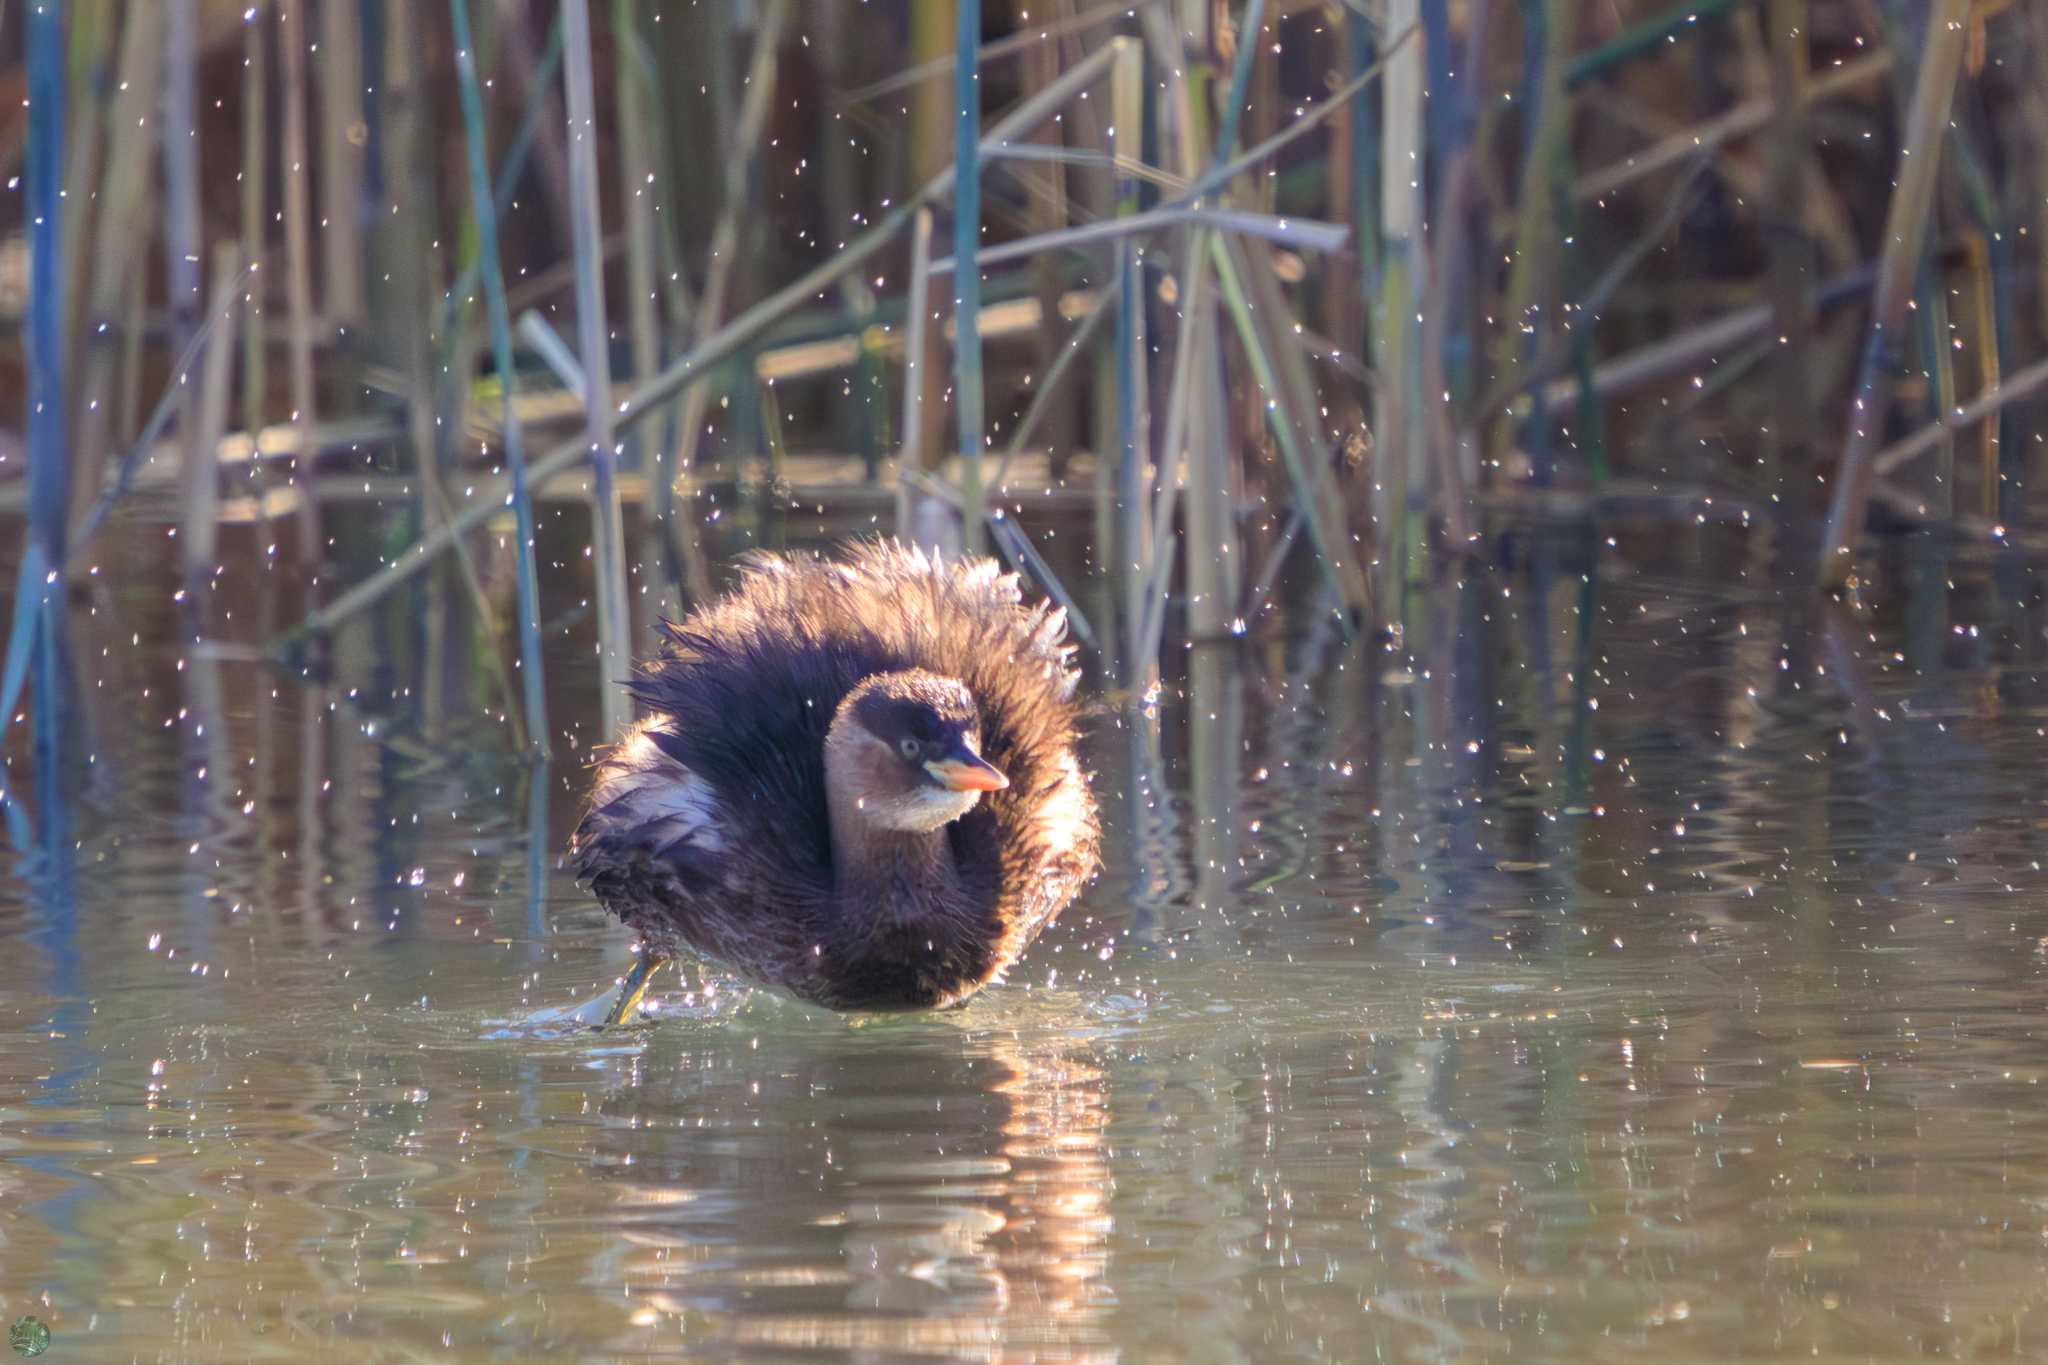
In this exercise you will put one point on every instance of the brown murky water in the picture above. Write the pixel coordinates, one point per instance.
(1643, 966)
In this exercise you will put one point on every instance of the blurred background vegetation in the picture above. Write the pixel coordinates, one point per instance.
(1556, 483)
(1338, 289)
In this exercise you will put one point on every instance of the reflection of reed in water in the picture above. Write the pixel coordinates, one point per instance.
(1215, 769)
(928, 1193)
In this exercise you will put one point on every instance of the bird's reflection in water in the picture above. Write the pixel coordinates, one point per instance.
(916, 1187)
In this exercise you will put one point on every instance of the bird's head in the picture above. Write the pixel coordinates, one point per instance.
(905, 748)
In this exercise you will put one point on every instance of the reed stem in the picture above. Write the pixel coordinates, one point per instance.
(298, 250)
(1133, 454)
(1196, 313)
(35, 637)
(199, 533)
(917, 308)
(49, 470)
(741, 159)
(1294, 232)
(1240, 78)
(1399, 446)
(93, 32)
(121, 221)
(341, 161)
(43, 329)
(636, 194)
(255, 186)
(1047, 388)
(181, 181)
(614, 627)
(485, 208)
(967, 381)
(1904, 233)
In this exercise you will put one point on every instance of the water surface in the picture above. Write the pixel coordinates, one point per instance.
(1639, 964)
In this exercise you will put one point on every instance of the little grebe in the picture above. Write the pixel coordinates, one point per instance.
(855, 782)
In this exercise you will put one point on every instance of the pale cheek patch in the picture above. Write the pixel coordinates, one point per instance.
(918, 811)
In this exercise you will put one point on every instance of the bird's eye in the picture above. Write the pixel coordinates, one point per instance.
(907, 747)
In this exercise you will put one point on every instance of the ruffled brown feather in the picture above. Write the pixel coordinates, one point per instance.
(708, 824)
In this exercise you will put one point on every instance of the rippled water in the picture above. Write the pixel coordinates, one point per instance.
(1640, 964)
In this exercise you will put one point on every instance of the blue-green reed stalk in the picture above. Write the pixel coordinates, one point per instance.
(516, 153)
(594, 341)
(967, 278)
(38, 622)
(1241, 79)
(1651, 34)
(48, 466)
(38, 593)
(501, 355)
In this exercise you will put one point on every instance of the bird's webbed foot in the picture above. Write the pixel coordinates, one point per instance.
(634, 988)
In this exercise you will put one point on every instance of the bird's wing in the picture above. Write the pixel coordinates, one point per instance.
(651, 817)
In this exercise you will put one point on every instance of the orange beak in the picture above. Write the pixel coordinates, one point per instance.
(965, 771)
